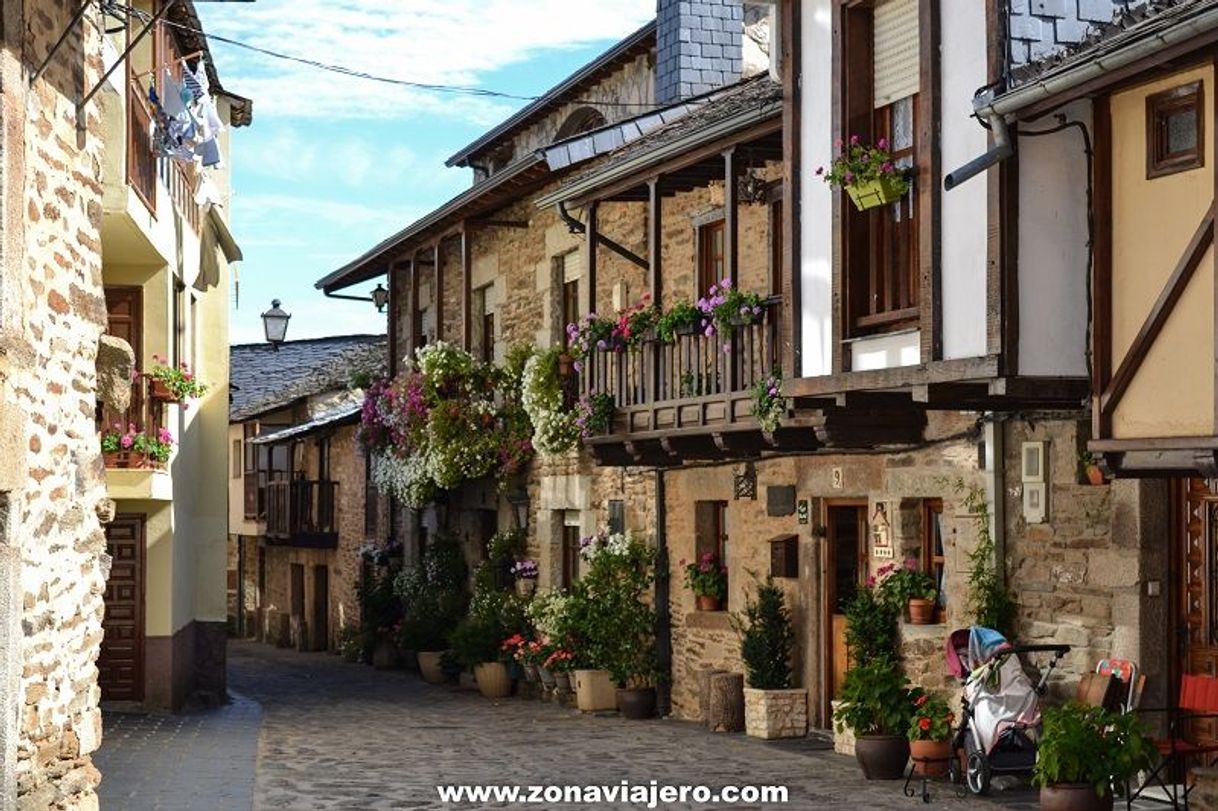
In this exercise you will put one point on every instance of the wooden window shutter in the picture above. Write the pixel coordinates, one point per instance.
(706, 528)
(896, 48)
(572, 266)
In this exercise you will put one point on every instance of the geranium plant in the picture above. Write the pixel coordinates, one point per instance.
(869, 173)
(178, 380)
(932, 719)
(634, 324)
(1084, 744)
(560, 660)
(156, 447)
(706, 577)
(874, 699)
(769, 406)
(899, 585)
(594, 414)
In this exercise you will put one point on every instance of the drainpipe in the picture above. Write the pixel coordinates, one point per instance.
(996, 486)
(1000, 151)
(663, 610)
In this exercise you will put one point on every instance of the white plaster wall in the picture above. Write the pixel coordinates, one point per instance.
(1053, 249)
(816, 198)
(963, 209)
(886, 351)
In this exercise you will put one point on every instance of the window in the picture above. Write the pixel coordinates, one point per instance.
(371, 501)
(254, 479)
(238, 454)
(570, 306)
(569, 541)
(710, 531)
(488, 337)
(932, 548)
(711, 267)
(482, 339)
(179, 322)
(323, 459)
(882, 50)
(617, 516)
(1175, 130)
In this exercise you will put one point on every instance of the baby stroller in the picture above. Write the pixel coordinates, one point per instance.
(1000, 722)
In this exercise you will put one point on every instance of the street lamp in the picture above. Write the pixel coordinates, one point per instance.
(275, 324)
(380, 297)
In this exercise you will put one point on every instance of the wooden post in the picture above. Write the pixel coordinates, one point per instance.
(704, 679)
(437, 293)
(467, 272)
(726, 707)
(590, 247)
(731, 201)
(655, 237)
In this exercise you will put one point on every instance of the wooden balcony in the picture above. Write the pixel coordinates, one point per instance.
(141, 161)
(301, 513)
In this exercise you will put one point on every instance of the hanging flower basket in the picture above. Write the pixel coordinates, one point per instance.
(881, 191)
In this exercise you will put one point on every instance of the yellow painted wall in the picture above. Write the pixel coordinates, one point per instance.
(1152, 222)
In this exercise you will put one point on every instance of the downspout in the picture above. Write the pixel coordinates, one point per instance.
(996, 487)
(663, 594)
(1000, 151)
(578, 227)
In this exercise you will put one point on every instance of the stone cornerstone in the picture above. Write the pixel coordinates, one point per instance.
(52, 549)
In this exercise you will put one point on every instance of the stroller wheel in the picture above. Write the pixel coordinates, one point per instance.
(953, 770)
(978, 774)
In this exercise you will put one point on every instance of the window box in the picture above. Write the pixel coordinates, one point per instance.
(882, 191)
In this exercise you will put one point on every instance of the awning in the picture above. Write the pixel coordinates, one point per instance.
(328, 419)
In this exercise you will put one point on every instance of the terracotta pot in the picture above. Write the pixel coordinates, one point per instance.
(882, 757)
(547, 677)
(637, 703)
(493, 680)
(1073, 797)
(708, 602)
(931, 758)
(562, 682)
(431, 667)
(128, 460)
(921, 612)
(595, 691)
(157, 390)
(1094, 475)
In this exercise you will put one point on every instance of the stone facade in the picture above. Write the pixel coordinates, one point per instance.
(771, 714)
(52, 549)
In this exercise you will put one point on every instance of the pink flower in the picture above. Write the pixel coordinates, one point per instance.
(849, 177)
(854, 140)
(127, 441)
(887, 167)
(882, 143)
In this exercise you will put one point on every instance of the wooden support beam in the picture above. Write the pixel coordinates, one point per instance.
(731, 218)
(1202, 239)
(791, 48)
(521, 224)
(467, 272)
(437, 293)
(655, 240)
(592, 238)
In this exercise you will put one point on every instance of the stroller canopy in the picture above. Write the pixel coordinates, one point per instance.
(1000, 695)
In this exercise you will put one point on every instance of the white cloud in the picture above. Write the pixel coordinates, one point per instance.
(452, 42)
(297, 211)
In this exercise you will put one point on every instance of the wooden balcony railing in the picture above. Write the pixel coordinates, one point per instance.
(653, 382)
(181, 186)
(301, 513)
(141, 161)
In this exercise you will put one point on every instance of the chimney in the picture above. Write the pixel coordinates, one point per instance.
(698, 47)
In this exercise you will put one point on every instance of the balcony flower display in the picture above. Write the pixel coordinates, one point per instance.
(634, 324)
(174, 384)
(724, 306)
(868, 173)
(594, 414)
(445, 420)
(592, 332)
(554, 427)
(682, 318)
(132, 447)
(769, 406)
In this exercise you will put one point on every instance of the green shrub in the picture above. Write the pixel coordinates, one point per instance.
(871, 627)
(875, 700)
(767, 639)
(1083, 744)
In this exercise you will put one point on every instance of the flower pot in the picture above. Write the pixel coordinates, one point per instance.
(692, 328)
(562, 682)
(1095, 476)
(879, 192)
(566, 365)
(637, 703)
(530, 673)
(595, 691)
(493, 680)
(882, 757)
(385, 656)
(431, 666)
(526, 586)
(931, 758)
(547, 677)
(708, 602)
(158, 391)
(921, 612)
(128, 460)
(774, 714)
(1073, 797)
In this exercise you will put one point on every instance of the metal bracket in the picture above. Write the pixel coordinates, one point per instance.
(152, 23)
(76, 18)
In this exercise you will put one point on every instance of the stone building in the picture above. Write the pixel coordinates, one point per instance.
(300, 507)
(167, 271)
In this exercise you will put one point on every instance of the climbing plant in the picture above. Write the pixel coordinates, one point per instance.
(991, 605)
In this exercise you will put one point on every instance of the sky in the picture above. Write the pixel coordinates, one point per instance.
(334, 164)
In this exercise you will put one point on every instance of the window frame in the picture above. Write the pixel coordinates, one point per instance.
(933, 564)
(718, 536)
(1162, 106)
(569, 535)
(712, 255)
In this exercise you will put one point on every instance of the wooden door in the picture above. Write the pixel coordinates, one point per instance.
(124, 319)
(1196, 573)
(321, 608)
(845, 570)
(121, 661)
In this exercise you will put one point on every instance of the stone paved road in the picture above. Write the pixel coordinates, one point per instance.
(342, 736)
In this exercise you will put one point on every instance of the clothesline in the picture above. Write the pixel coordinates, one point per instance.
(187, 58)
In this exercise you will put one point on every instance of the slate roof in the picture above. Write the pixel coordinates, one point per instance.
(1130, 25)
(349, 412)
(264, 380)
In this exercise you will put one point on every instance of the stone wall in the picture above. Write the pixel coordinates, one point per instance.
(52, 549)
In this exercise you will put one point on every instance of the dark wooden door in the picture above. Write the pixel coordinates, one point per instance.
(121, 662)
(321, 608)
(1196, 531)
(845, 569)
(124, 319)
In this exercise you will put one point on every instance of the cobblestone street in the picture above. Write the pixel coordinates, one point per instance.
(340, 736)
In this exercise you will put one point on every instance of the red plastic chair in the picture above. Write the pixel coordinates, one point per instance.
(1198, 700)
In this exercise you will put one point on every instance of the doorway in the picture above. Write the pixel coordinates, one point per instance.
(296, 596)
(321, 608)
(1195, 602)
(121, 661)
(845, 569)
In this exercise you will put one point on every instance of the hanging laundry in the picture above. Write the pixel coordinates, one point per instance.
(186, 120)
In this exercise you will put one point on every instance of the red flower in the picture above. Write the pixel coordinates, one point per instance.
(924, 723)
(921, 700)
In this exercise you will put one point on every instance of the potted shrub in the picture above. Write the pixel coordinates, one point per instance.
(769, 406)
(772, 708)
(707, 579)
(868, 174)
(1084, 752)
(171, 384)
(594, 414)
(634, 324)
(135, 448)
(909, 590)
(725, 306)
(875, 704)
(930, 732)
(1091, 468)
(433, 600)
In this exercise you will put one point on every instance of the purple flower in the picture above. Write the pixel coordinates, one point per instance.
(773, 391)
(579, 367)
(726, 284)
(713, 289)
(708, 332)
(882, 143)
(887, 167)
(600, 344)
(757, 311)
(854, 140)
(849, 177)
(744, 310)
